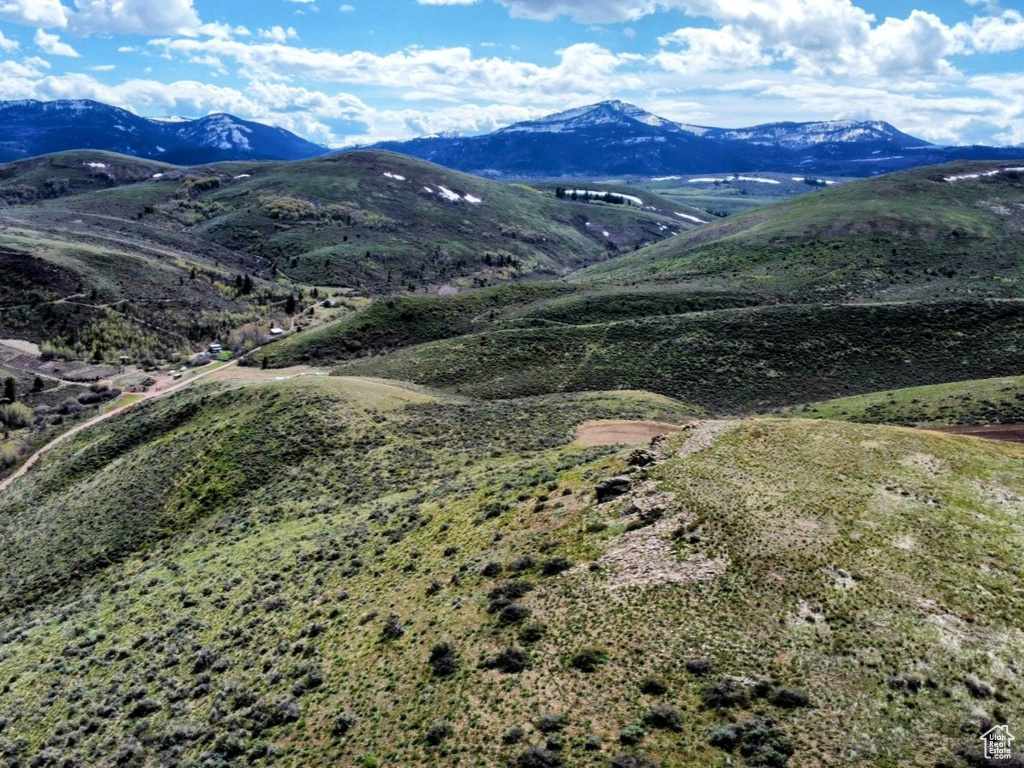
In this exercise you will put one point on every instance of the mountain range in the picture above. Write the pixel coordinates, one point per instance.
(615, 138)
(30, 128)
(608, 138)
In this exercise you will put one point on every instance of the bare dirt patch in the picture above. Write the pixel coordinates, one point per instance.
(252, 374)
(616, 432)
(1007, 433)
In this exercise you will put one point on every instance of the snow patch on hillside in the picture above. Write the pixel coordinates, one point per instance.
(447, 194)
(710, 180)
(986, 174)
(690, 218)
(394, 176)
(598, 194)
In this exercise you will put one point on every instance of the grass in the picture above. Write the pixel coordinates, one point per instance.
(388, 325)
(973, 402)
(903, 236)
(248, 629)
(728, 361)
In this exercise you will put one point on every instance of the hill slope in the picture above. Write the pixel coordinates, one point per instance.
(728, 361)
(457, 595)
(921, 234)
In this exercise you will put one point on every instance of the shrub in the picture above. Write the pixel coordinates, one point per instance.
(16, 415)
(144, 708)
(758, 740)
(532, 632)
(698, 666)
(664, 718)
(550, 723)
(344, 723)
(492, 569)
(653, 685)
(444, 659)
(511, 660)
(437, 733)
(555, 566)
(513, 735)
(537, 757)
(633, 761)
(789, 698)
(521, 563)
(588, 659)
(726, 693)
(392, 629)
(513, 614)
(632, 734)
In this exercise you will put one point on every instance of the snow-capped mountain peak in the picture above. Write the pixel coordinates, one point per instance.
(603, 113)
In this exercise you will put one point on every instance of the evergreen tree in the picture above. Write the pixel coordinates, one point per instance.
(10, 389)
(289, 305)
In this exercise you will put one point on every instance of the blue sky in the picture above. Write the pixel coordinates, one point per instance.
(363, 70)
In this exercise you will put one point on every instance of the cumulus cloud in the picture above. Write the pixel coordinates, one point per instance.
(126, 17)
(8, 45)
(279, 34)
(35, 13)
(51, 44)
(448, 74)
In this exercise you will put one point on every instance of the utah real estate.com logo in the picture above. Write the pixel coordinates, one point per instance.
(997, 743)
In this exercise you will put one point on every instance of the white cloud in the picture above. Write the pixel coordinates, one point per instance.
(35, 13)
(584, 70)
(711, 49)
(446, 2)
(7, 44)
(127, 17)
(51, 44)
(279, 34)
(347, 8)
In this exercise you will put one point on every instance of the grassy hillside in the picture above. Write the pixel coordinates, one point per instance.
(355, 573)
(729, 361)
(977, 402)
(381, 222)
(71, 173)
(908, 235)
(403, 321)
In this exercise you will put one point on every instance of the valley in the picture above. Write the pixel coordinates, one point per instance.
(436, 470)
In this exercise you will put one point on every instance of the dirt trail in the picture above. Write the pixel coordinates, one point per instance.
(621, 432)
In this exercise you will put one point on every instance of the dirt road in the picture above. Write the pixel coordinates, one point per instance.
(103, 417)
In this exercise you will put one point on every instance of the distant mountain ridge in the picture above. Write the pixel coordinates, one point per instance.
(613, 137)
(29, 128)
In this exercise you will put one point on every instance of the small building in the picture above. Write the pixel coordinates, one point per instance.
(216, 349)
(276, 331)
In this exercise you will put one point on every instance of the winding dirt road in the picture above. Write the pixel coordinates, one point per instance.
(103, 417)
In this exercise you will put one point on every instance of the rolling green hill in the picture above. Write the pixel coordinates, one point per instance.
(928, 233)
(359, 573)
(110, 254)
(968, 403)
(71, 173)
(403, 321)
(728, 361)
(380, 222)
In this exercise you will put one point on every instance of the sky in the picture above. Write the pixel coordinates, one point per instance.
(355, 72)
